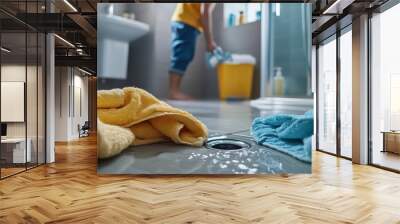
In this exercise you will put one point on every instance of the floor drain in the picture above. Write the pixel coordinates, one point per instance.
(227, 144)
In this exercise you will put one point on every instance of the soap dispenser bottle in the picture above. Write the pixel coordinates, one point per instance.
(241, 17)
(279, 82)
(231, 20)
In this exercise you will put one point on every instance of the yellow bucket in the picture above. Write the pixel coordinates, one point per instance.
(235, 81)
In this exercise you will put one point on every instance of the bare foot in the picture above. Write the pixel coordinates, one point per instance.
(176, 95)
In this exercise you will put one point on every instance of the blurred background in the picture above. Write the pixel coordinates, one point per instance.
(283, 31)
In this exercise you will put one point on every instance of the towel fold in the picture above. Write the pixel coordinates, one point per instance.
(290, 134)
(147, 119)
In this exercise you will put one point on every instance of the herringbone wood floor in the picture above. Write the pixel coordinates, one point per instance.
(70, 191)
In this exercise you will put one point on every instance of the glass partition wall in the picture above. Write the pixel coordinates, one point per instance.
(22, 78)
(334, 94)
(334, 104)
(327, 79)
(287, 71)
(346, 95)
(385, 89)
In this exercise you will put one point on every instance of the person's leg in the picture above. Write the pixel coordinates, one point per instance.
(182, 52)
(175, 92)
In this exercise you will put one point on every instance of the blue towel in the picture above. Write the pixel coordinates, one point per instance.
(290, 134)
(218, 56)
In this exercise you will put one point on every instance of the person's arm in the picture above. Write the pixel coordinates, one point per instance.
(206, 20)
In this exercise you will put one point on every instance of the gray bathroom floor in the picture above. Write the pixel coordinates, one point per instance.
(224, 121)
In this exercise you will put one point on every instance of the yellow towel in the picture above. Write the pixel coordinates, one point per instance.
(112, 139)
(147, 118)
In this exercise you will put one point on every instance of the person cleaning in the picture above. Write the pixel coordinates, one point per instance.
(188, 21)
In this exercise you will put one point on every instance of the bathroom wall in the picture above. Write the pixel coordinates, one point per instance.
(149, 55)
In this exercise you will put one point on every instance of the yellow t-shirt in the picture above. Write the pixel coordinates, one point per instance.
(188, 13)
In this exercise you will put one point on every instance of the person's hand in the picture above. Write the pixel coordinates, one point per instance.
(211, 46)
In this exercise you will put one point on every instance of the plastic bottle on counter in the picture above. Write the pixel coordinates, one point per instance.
(231, 20)
(258, 15)
(279, 82)
(241, 18)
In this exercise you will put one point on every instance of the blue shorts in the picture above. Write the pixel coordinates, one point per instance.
(183, 45)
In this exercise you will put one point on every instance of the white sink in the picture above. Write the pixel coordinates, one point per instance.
(115, 33)
(120, 28)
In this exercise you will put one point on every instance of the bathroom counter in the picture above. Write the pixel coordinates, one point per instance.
(224, 121)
